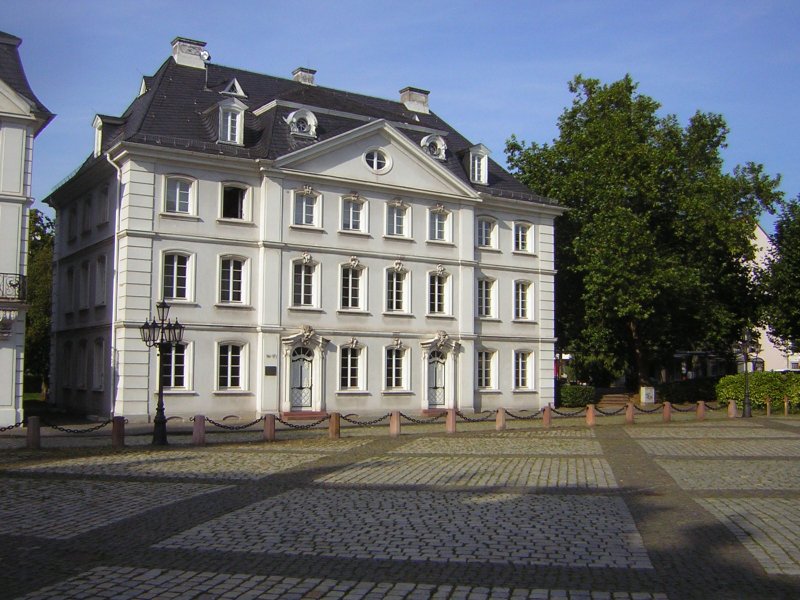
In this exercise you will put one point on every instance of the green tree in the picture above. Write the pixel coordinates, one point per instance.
(652, 255)
(40, 287)
(782, 278)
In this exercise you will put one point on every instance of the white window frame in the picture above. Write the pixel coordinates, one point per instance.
(307, 195)
(350, 205)
(347, 301)
(189, 201)
(485, 369)
(484, 239)
(245, 201)
(397, 207)
(103, 204)
(404, 290)
(228, 375)
(401, 354)
(308, 265)
(98, 364)
(443, 285)
(189, 284)
(372, 158)
(169, 379)
(522, 370)
(231, 125)
(353, 348)
(485, 304)
(521, 295)
(479, 164)
(83, 286)
(100, 280)
(529, 238)
(440, 224)
(225, 297)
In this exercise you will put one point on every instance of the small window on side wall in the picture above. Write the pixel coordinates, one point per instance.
(178, 196)
(233, 202)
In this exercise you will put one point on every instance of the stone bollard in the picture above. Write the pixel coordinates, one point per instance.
(667, 413)
(394, 424)
(33, 435)
(701, 410)
(590, 415)
(334, 426)
(786, 406)
(732, 413)
(450, 423)
(500, 420)
(629, 413)
(118, 432)
(547, 416)
(769, 407)
(199, 431)
(269, 428)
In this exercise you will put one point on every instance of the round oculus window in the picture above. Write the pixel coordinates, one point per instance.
(302, 125)
(376, 160)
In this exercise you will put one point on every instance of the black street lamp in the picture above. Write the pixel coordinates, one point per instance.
(746, 349)
(165, 335)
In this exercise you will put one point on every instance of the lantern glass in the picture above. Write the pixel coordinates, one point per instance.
(177, 331)
(144, 331)
(162, 310)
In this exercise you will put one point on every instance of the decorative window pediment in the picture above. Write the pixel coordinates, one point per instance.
(302, 123)
(234, 89)
(435, 146)
(442, 342)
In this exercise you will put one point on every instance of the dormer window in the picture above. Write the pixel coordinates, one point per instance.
(234, 89)
(231, 121)
(435, 146)
(302, 123)
(479, 164)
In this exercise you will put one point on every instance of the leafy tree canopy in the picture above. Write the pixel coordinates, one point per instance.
(653, 253)
(40, 286)
(782, 278)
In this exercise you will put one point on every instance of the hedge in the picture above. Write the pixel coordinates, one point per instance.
(576, 395)
(763, 386)
(688, 391)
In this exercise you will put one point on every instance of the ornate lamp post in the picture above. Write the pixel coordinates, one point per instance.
(165, 335)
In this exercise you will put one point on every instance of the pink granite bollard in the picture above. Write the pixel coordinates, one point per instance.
(732, 413)
(269, 428)
(394, 424)
(500, 420)
(629, 413)
(450, 423)
(118, 432)
(33, 436)
(591, 416)
(334, 426)
(199, 431)
(667, 414)
(701, 410)
(547, 416)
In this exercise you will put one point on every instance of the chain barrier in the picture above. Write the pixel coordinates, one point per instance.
(309, 426)
(568, 414)
(9, 427)
(712, 408)
(480, 420)
(364, 423)
(68, 430)
(233, 427)
(536, 415)
(684, 410)
(422, 421)
(648, 411)
(610, 413)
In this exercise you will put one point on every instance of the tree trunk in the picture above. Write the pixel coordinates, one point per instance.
(639, 354)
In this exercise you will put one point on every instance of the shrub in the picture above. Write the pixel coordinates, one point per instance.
(690, 390)
(577, 395)
(764, 386)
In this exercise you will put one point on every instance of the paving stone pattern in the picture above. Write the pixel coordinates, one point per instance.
(680, 511)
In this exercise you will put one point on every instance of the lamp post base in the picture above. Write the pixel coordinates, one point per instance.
(160, 432)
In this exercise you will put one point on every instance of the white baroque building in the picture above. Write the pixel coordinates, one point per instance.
(22, 117)
(326, 251)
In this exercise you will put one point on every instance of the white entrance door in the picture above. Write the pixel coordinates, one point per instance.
(301, 380)
(436, 379)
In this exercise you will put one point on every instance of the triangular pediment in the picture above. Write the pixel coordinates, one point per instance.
(11, 103)
(409, 166)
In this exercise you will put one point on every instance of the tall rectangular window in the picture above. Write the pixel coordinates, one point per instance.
(485, 233)
(173, 366)
(303, 285)
(100, 281)
(69, 292)
(230, 280)
(230, 126)
(484, 367)
(349, 368)
(83, 365)
(230, 367)
(351, 288)
(88, 213)
(395, 282)
(176, 276)
(485, 287)
(437, 293)
(396, 220)
(98, 365)
(304, 209)
(521, 237)
(233, 202)
(103, 201)
(394, 368)
(522, 376)
(83, 292)
(178, 196)
(437, 230)
(521, 300)
(352, 214)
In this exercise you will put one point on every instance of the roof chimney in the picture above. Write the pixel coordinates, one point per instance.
(190, 53)
(415, 99)
(304, 75)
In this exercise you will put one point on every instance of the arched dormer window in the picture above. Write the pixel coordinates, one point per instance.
(231, 121)
(302, 123)
(435, 146)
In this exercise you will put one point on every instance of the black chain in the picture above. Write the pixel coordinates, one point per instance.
(610, 413)
(709, 407)
(480, 420)
(535, 415)
(646, 411)
(422, 421)
(684, 410)
(364, 423)
(568, 414)
(67, 430)
(14, 426)
(309, 426)
(233, 427)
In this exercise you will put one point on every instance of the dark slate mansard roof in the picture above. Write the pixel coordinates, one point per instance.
(12, 73)
(177, 110)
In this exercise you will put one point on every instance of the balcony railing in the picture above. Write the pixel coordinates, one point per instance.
(13, 287)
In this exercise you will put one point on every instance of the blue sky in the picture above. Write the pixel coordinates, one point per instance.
(493, 68)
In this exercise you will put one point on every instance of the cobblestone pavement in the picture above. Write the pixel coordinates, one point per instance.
(680, 510)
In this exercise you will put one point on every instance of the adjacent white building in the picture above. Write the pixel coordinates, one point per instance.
(326, 251)
(22, 117)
